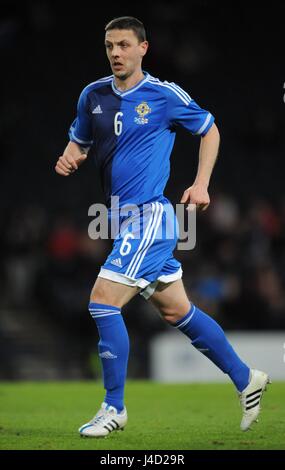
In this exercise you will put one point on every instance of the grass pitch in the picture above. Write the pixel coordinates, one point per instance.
(161, 417)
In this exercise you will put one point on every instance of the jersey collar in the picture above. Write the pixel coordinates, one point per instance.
(130, 90)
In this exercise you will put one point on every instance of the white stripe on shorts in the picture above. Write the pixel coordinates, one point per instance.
(146, 241)
(148, 228)
(151, 242)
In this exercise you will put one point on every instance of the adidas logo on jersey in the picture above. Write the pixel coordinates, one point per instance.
(117, 262)
(107, 355)
(97, 110)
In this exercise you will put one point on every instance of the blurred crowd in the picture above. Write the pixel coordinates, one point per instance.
(239, 263)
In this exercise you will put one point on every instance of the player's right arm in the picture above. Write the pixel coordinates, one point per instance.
(71, 159)
(80, 135)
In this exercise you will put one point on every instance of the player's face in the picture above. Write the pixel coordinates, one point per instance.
(124, 52)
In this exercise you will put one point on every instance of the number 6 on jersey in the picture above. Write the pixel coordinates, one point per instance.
(118, 125)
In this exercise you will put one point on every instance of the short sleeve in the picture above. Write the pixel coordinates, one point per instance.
(80, 130)
(184, 111)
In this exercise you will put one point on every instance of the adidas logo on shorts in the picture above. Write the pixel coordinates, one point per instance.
(117, 262)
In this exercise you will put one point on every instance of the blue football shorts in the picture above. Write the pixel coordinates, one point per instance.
(142, 253)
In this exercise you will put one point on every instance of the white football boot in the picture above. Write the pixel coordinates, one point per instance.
(251, 396)
(104, 422)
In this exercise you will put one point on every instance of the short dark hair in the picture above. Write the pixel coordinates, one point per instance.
(128, 22)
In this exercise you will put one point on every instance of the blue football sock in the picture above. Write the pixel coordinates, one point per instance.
(113, 351)
(209, 338)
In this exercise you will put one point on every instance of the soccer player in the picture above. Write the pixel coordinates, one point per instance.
(127, 122)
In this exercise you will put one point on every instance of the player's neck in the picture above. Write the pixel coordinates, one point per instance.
(130, 82)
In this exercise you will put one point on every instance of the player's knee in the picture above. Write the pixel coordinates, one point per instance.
(102, 294)
(99, 295)
(171, 315)
(170, 319)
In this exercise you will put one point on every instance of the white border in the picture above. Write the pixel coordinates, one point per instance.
(148, 288)
(122, 278)
(166, 278)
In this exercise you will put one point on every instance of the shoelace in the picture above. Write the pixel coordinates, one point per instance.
(101, 418)
(97, 419)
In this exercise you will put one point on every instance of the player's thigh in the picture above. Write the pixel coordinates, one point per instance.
(112, 293)
(171, 300)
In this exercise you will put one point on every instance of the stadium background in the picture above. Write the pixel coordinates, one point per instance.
(230, 59)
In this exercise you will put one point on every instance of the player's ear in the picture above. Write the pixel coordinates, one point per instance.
(144, 47)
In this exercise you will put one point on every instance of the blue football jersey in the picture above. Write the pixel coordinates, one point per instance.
(131, 134)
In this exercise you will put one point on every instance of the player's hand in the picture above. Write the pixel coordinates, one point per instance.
(67, 163)
(196, 194)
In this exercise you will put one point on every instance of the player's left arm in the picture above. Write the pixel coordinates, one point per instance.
(197, 193)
